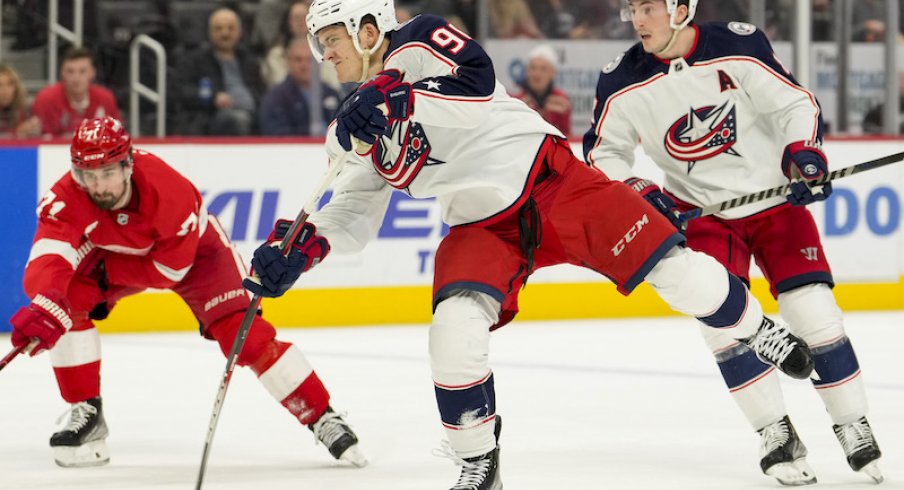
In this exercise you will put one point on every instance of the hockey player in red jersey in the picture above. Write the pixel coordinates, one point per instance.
(120, 222)
(716, 110)
(515, 196)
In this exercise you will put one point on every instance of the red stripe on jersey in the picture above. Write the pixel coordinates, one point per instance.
(599, 125)
(776, 75)
(425, 47)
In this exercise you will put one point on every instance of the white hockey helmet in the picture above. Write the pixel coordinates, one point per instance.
(325, 13)
(671, 7)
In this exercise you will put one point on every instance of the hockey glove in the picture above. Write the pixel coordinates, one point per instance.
(801, 162)
(395, 94)
(361, 115)
(274, 273)
(659, 200)
(46, 319)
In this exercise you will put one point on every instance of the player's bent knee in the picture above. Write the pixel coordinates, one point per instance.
(460, 336)
(813, 314)
(690, 282)
(259, 339)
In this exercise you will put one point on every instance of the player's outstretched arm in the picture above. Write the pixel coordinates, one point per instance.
(273, 272)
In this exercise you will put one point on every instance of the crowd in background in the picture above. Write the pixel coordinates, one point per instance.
(239, 68)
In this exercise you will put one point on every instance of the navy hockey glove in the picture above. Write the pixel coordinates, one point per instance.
(361, 115)
(659, 200)
(274, 273)
(801, 162)
(396, 94)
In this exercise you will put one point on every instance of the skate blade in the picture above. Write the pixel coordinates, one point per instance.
(793, 474)
(872, 470)
(355, 456)
(92, 453)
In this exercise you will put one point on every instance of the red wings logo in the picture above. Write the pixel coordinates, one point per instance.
(703, 134)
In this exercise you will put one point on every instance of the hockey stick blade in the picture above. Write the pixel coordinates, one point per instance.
(783, 189)
(242, 333)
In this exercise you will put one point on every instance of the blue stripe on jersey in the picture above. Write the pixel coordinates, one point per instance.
(469, 406)
(729, 314)
(804, 279)
(835, 362)
(475, 74)
(634, 66)
(480, 287)
(742, 369)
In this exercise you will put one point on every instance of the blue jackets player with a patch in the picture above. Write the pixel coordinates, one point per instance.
(745, 107)
(458, 102)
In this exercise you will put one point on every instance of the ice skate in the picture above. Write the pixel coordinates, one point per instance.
(784, 454)
(334, 432)
(860, 448)
(82, 442)
(776, 345)
(480, 472)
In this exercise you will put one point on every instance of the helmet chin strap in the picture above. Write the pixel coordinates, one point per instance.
(365, 64)
(668, 46)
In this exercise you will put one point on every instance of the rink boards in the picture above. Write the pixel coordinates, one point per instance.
(249, 183)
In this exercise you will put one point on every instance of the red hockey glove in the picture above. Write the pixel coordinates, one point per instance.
(46, 319)
(274, 273)
(803, 161)
(659, 200)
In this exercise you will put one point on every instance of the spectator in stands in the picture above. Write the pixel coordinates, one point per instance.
(512, 19)
(873, 121)
(62, 106)
(219, 86)
(15, 121)
(571, 19)
(867, 17)
(268, 22)
(539, 92)
(287, 108)
(274, 67)
(403, 13)
(460, 13)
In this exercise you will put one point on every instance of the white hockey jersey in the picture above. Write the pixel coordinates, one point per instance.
(468, 142)
(716, 121)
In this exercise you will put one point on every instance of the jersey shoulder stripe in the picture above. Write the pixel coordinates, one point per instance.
(438, 58)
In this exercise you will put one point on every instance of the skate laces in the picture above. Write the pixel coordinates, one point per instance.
(79, 415)
(854, 436)
(774, 436)
(330, 427)
(473, 473)
(771, 341)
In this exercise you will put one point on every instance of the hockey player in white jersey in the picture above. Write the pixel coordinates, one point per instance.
(716, 110)
(515, 196)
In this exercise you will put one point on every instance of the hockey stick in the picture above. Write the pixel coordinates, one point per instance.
(783, 189)
(8, 358)
(239, 341)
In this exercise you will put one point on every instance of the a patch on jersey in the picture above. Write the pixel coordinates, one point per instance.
(741, 28)
(414, 153)
(702, 134)
(613, 64)
(122, 219)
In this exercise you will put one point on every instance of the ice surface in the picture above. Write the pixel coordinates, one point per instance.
(628, 404)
